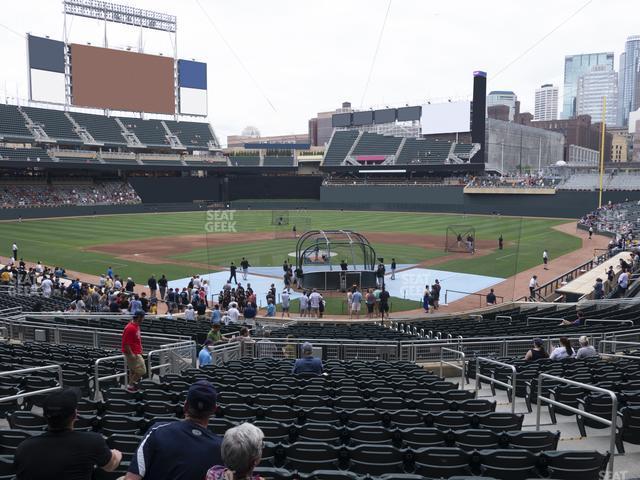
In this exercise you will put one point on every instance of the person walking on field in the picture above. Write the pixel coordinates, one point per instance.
(132, 350)
(545, 258)
(232, 273)
(533, 284)
(393, 269)
(500, 242)
(590, 231)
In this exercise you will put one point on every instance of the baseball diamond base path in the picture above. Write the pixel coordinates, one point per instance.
(517, 286)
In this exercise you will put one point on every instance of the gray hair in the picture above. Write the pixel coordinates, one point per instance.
(583, 340)
(242, 448)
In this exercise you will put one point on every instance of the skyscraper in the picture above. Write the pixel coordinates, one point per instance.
(629, 66)
(599, 83)
(503, 97)
(574, 67)
(546, 106)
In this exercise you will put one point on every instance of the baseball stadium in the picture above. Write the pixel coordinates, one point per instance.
(432, 290)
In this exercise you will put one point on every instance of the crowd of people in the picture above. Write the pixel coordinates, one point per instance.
(45, 195)
(512, 181)
(616, 219)
(562, 351)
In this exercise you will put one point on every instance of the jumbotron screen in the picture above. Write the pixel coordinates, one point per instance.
(121, 80)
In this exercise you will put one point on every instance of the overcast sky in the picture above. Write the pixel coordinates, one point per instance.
(304, 57)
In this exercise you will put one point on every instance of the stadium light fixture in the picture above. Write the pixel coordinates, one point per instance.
(124, 14)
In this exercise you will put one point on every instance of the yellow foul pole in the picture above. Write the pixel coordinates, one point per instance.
(602, 128)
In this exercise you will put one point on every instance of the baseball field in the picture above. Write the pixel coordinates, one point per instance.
(181, 244)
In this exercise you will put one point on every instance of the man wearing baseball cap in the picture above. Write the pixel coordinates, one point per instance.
(61, 452)
(308, 364)
(182, 450)
(132, 349)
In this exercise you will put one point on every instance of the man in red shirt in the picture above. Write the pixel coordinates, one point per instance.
(132, 349)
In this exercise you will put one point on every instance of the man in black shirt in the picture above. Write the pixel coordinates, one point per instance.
(491, 298)
(129, 285)
(162, 283)
(153, 286)
(61, 452)
(384, 302)
(244, 265)
(343, 265)
(232, 271)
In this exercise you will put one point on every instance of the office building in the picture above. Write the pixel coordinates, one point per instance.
(629, 78)
(598, 84)
(503, 97)
(576, 66)
(546, 103)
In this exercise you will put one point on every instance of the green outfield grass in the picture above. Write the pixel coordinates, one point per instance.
(63, 241)
(338, 306)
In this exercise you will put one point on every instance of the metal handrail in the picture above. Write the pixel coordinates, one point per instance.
(97, 378)
(609, 320)
(555, 319)
(457, 367)
(504, 317)
(609, 423)
(614, 343)
(492, 380)
(169, 348)
(24, 371)
(481, 295)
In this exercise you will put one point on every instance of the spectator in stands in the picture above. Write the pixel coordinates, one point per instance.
(304, 302)
(623, 283)
(129, 285)
(215, 335)
(578, 322)
(181, 450)
(537, 351)
(308, 364)
(162, 285)
(135, 305)
(61, 452)
(243, 336)
(249, 314)
(189, 313)
(132, 349)
(585, 350)
(356, 303)
(241, 453)
(271, 309)
(47, 287)
(370, 299)
(533, 284)
(491, 298)
(598, 289)
(233, 313)
(435, 294)
(564, 350)
(204, 357)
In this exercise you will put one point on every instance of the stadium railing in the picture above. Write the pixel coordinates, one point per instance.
(97, 379)
(511, 388)
(480, 296)
(609, 423)
(172, 358)
(25, 371)
(460, 357)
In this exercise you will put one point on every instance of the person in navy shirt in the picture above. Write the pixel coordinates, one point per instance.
(182, 450)
(308, 363)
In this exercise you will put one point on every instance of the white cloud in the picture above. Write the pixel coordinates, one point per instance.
(310, 56)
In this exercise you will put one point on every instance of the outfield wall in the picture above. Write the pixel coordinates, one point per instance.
(179, 194)
(451, 199)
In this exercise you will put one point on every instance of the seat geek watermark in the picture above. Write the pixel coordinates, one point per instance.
(220, 221)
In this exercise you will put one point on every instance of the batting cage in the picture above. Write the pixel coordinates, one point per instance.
(460, 238)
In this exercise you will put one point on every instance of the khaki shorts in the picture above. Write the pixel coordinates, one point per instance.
(136, 365)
